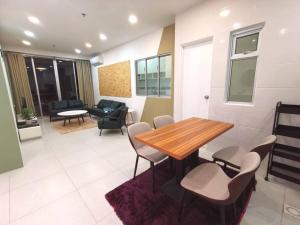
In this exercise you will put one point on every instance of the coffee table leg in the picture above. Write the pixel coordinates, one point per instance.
(79, 120)
(82, 118)
(65, 121)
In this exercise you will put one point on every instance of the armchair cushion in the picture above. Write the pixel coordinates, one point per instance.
(75, 103)
(60, 104)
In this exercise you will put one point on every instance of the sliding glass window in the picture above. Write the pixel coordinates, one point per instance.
(51, 80)
(67, 79)
(154, 76)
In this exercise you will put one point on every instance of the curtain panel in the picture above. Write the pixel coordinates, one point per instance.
(85, 83)
(19, 81)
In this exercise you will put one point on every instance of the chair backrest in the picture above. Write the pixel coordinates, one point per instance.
(161, 121)
(237, 185)
(265, 146)
(136, 129)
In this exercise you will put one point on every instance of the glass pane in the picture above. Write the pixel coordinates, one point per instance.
(140, 77)
(66, 79)
(152, 76)
(165, 75)
(242, 80)
(32, 85)
(46, 82)
(246, 43)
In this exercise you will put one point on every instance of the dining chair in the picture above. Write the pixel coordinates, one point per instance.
(144, 151)
(209, 182)
(161, 121)
(233, 155)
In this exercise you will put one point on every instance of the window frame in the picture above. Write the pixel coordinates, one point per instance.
(234, 35)
(158, 75)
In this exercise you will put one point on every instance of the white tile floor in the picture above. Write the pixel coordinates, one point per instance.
(65, 178)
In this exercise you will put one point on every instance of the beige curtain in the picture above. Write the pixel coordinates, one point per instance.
(85, 83)
(19, 80)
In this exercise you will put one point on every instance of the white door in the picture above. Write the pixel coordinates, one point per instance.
(197, 62)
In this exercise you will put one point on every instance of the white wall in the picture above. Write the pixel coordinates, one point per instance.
(278, 68)
(140, 48)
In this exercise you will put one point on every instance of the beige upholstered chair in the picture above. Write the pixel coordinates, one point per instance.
(233, 155)
(144, 151)
(210, 182)
(161, 121)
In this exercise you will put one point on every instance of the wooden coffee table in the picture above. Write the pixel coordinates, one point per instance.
(71, 114)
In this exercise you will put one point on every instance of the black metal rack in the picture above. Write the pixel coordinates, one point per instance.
(280, 169)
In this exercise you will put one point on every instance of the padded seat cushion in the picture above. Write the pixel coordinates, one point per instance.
(151, 154)
(232, 155)
(209, 181)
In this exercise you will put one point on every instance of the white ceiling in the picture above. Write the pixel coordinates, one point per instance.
(63, 28)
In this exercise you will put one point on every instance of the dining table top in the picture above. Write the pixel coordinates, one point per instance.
(182, 138)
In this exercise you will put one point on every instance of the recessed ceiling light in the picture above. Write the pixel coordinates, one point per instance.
(224, 12)
(26, 42)
(78, 51)
(132, 19)
(88, 45)
(282, 31)
(103, 37)
(28, 33)
(34, 19)
(236, 25)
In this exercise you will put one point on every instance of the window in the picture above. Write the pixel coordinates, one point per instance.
(154, 76)
(243, 59)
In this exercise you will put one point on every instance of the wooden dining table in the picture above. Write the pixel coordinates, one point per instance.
(181, 141)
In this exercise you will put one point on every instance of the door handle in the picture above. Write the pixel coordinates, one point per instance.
(206, 97)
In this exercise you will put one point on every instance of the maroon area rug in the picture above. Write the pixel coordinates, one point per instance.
(135, 203)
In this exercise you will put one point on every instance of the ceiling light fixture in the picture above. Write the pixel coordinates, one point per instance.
(282, 31)
(78, 51)
(33, 19)
(224, 12)
(26, 42)
(132, 19)
(103, 37)
(41, 68)
(236, 25)
(88, 45)
(29, 33)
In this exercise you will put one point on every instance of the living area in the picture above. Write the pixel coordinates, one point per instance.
(149, 112)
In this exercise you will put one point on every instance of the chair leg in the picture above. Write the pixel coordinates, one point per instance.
(136, 164)
(181, 205)
(100, 132)
(121, 131)
(153, 176)
(254, 182)
(222, 215)
(234, 211)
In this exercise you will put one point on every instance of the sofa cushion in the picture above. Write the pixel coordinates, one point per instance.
(75, 103)
(60, 104)
(104, 103)
(115, 105)
(116, 113)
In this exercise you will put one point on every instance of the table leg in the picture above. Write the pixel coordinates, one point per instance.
(64, 121)
(79, 120)
(82, 118)
(194, 159)
(69, 120)
(180, 170)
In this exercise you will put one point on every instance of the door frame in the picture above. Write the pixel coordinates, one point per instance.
(185, 45)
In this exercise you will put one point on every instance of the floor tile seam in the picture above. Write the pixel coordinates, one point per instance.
(43, 206)
(81, 198)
